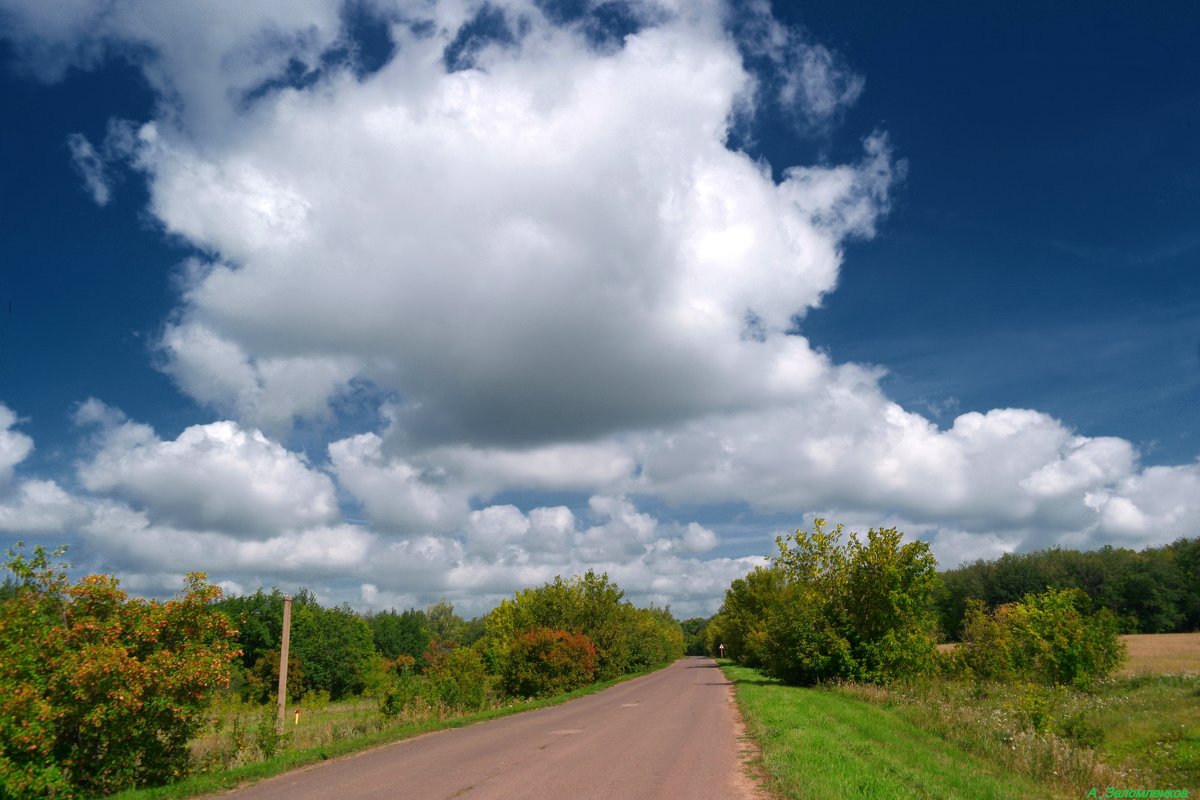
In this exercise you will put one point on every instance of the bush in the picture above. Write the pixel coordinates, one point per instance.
(100, 692)
(1047, 637)
(544, 662)
(458, 679)
(824, 610)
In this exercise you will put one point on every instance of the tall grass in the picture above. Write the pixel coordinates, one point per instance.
(1133, 733)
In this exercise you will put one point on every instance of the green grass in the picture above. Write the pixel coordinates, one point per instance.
(225, 779)
(822, 744)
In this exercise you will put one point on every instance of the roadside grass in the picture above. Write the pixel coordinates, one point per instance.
(1130, 733)
(1138, 730)
(331, 731)
(817, 743)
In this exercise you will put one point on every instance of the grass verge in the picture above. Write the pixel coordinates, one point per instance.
(822, 744)
(224, 780)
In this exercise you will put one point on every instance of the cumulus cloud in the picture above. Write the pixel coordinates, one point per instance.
(14, 445)
(42, 507)
(201, 61)
(554, 245)
(215, 477)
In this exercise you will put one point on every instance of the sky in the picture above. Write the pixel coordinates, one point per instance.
(403, 300)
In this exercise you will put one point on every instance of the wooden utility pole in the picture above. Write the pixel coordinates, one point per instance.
(283, 660)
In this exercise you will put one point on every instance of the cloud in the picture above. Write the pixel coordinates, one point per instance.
(215, 477)
(90, 166)
(41, 507)
(553, 246)
(202, 62)
(807, 80)
(14, 445)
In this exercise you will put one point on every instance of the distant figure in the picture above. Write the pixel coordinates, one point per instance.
(721, 650)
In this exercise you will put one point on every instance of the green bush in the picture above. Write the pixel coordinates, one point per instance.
(544, 662)
(402, 695)
(1047, 637)
(824, 609)
(458, 678)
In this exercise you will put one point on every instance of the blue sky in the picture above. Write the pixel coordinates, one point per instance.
(403, 302)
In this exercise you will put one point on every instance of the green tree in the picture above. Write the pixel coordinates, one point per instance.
(334, 644)
(459, 679)
(741, 624)
(693, 635)
(100, 691)
(400, 634)
(862, 609)
(443, 624)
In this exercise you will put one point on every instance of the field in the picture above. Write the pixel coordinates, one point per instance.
(1162, 654)
(1138, 730)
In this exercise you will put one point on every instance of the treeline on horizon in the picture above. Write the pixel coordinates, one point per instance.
(544, 640)
(1154, 590)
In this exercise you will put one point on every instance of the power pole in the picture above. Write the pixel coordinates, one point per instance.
(283, 660)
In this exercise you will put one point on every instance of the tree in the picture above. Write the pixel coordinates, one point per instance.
(693, 635)
(824, 609)
(334, 644)
(100, 691)
(405, 634)
(741, 624)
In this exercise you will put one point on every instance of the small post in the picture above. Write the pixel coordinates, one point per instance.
(283, 660)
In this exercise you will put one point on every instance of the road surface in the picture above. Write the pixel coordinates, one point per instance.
(672, 735)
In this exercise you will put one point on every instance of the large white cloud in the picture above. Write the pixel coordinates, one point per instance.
(556, 244)
(215, 477)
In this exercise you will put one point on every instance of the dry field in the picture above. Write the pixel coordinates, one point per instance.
(1162, 654)
(1151, 653)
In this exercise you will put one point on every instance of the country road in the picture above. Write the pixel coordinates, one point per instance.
(670, 735)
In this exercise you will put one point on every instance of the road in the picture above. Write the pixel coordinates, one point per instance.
(672, 734)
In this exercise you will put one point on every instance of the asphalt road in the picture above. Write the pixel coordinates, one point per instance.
(673, 735)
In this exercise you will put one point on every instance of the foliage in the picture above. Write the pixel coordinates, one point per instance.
(262, 681)
(444, 625)
(459, 679)
(1048, 637)
(1156, 590)
(826, 610)
(334, 644)
(626, 638)
(405, 634)
(542, 662)
(694, 636)
(99, 691)
(741, 624)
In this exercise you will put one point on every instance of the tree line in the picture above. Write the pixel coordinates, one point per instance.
(100, 691)
(1155, 590)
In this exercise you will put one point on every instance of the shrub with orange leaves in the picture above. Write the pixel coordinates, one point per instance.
(100, 691)
(543, 661)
